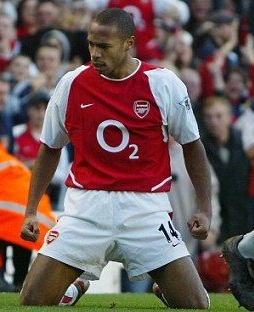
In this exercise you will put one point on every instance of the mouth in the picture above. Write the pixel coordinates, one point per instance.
(99, 66)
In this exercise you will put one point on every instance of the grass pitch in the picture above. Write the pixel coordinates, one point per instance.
(118, 303)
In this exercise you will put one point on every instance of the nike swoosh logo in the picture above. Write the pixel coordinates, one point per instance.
(85, 105)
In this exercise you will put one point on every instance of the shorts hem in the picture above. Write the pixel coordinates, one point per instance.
(138, 276)
(90, 272)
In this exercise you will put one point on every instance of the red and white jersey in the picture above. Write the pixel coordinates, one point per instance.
(119, 127)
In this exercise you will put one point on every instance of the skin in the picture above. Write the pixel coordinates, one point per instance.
(217, 118)
(110, 54)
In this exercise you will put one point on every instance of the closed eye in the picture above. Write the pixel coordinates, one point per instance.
(102, 46)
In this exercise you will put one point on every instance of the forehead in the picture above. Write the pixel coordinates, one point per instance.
(48, 52)
(102, 33)
(20, 60)
(216, 108)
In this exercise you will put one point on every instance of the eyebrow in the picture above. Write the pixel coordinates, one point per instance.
(105, 44)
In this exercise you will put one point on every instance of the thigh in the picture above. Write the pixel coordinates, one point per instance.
(83, 232)
(146, 232)
(47, 281)
(181, 284)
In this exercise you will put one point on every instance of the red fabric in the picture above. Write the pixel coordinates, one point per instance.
(251, 185)
(22, 31)
(3, 63)
(137, 159)
(27, 146)
(207, 78)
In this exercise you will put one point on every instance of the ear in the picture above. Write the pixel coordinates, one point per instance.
(129, 43)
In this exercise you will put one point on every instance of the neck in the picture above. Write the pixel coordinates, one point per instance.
(130, 65)
(223, 138)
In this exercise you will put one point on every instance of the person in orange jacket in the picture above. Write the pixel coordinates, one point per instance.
(15, 178)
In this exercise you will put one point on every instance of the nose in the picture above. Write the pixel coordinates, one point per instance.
(95, 53)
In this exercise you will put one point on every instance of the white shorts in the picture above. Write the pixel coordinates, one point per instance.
(128, 227)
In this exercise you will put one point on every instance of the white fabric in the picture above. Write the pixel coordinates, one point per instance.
(127, 227)
(246, 125)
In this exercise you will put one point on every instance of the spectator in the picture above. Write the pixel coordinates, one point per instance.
(178, 52)
(9, 44)
(75, 15)
(78, 44)
(192, 80)
(60, 40)
(27, 22)
(224, 148)
(218, 52)
(200, 11)
(236, 90)
(6, 120)
(27, 140)
(18, 74)
(48, 14)
(245, 124)
(48, 61)
(27, 146)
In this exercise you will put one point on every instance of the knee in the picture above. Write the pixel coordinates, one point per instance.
(201, 302)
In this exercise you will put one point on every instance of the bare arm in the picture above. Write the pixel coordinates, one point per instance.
(198, 169)
(42, 173)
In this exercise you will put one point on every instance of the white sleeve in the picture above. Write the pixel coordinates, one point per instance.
(174, 103)
(54, 133)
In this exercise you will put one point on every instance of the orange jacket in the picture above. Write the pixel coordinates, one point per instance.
(14, 185)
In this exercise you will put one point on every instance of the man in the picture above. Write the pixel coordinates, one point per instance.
(224, 148)
(9, 44)
(117, 112)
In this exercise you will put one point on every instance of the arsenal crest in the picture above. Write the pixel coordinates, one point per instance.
(141, 108)
(52, 235)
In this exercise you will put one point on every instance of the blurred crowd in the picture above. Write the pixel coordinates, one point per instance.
(209, 44)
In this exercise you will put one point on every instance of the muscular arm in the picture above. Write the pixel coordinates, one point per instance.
(198, 169)
(42, 173)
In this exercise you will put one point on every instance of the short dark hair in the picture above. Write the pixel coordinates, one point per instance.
(119, 18)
